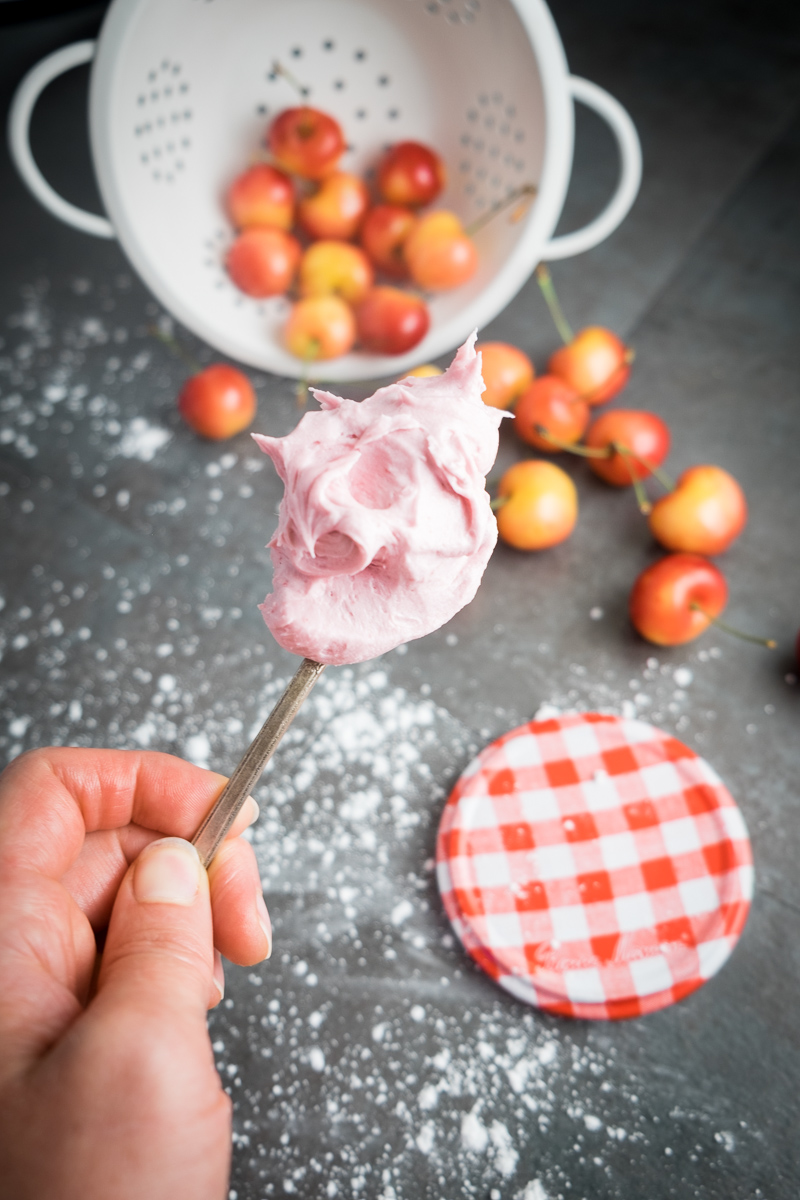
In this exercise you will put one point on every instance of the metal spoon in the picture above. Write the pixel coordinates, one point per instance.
(218, 821)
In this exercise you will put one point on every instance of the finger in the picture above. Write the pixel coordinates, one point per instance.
(242, 928)
(139, 1056)
(158, 954)
(93, 879)
(47, 954)
(219, 981)
(248, 815)
(50, 798)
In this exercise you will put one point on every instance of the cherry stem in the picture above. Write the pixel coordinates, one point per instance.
(645, 507)
(498, 502)
(607, 452)
(663, 478)
(770, 643)
(279, 69)
(572, 447)
(177, 349)
(545, 281)
(524, 191)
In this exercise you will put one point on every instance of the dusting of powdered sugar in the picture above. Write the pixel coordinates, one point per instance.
(142, 440)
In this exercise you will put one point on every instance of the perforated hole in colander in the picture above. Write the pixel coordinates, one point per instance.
(451, 12)
(493, 162)
(165, 114)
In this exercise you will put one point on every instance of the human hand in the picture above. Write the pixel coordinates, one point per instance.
(108, 1089)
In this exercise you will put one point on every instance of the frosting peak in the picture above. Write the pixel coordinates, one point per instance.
(385, 526)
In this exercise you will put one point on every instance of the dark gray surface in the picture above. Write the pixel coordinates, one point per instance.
(130, 587)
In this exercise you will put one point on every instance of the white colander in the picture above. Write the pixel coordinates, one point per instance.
(181, 94)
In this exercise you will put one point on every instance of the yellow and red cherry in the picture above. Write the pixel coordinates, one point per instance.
(438, 252)
(705, 513)
(636, 443)
(217, 402)
(383, 235)
(320, 327)
(391, 321)
(595, 363)
(506, 372)
(305, 141)
(425, 371)
(550, 414)
(537, 505)
(411, 174)
(336, 209)
(677, 598)
(262, 195)
(263, 261)
(330, 268)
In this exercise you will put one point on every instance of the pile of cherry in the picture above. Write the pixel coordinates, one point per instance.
(675, 599)
(298, 218)
(701, 514)
(338, 305)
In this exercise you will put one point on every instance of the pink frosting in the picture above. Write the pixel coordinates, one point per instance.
(385, 526)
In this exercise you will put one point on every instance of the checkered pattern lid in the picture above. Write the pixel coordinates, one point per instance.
(595, 867)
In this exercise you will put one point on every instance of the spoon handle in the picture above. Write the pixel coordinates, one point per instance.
(218, 821)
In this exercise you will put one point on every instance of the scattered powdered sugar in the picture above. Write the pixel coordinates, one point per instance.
(316, 1059)
(658, 694)
(401, 912)
(534, 1190)
(505, 1156)
(474, 1134)
(343, 1086)
(197, 749)
(141, 440)
(426, 1137)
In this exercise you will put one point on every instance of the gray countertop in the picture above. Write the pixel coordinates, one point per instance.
(369, 1057)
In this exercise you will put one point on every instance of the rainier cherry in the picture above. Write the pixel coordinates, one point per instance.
(383, 235)
(261, 196)
(677, 598)
(263, 261)
(336, 209)
(411, 174)
(320, 327)
(703, 515)
(426, 371)
(537, 505)
(637, 442)
(306, 142)
(550, 414)
(506, 372)
(217, 402)
(595, 363)
(439, 253)
(391, 321)
(335, 268)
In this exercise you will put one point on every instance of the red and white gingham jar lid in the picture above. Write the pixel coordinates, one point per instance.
(594, 866)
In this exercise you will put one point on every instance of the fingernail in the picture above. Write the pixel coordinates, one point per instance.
(219, 974)
(252, 810)
(263, 920)
(167, 872)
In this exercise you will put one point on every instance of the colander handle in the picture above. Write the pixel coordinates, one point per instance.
(19, 119)
(630, 175)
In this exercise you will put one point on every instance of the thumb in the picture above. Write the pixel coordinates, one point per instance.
(159, 950)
